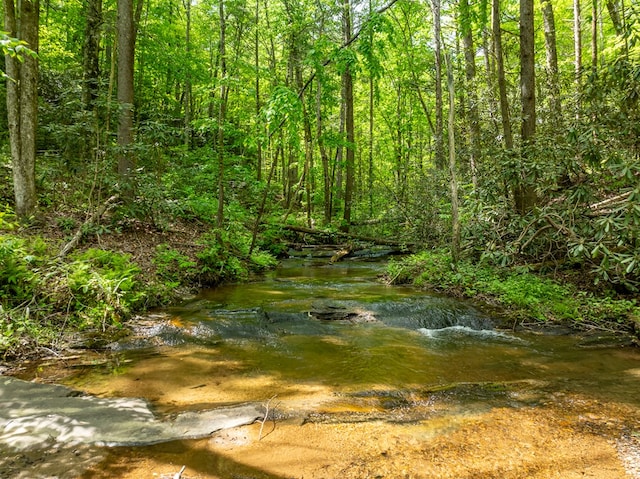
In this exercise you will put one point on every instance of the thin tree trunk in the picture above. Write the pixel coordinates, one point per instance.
(326, 172)
(22, 103)
(453, 182)
(187, 79)
(553, 80)
(347, 85)
(257, 67)
(577, 45)
(222, 113)
(502, 82)
(437, 39)
(371, 123)
(470, 73)
(594, 37)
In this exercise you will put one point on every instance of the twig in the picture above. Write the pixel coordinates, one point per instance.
(92, 219)
(266, 415)
(178, 475)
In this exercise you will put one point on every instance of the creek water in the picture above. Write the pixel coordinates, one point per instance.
(328, 345)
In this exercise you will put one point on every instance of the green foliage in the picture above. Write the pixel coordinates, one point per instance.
(19, 263)
(224, 257)
(104, 286)
(174, 268)
(41, 295)
(525, 295)
(8, 219)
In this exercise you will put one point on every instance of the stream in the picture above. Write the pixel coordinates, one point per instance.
(358, 379)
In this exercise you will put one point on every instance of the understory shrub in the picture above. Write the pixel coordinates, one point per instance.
(524, 295)
(41, 295)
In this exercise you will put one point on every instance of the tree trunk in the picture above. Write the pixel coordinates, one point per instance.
(91, 53)
(470, 74)
(594, 37)
(187, 79)
(371, 122)
(553, 81)
(502, 81)
(577, 45)
(22, 103)
(324, 156)
(126, 47)
(222, 112)
(614, 13)
(524, 193)
(439, 136)
(257, 82)
(453, 182)
(347, 88)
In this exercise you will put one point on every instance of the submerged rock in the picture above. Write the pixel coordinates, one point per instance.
(34, 416)
(334, 312)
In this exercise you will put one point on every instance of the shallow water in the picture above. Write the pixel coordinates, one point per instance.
(408, 340)
(399, 355)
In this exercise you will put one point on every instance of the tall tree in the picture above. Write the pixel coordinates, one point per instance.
(22, 21)
(524, 193)
(553, 80)
(472, 95)
(496, 27)
(453, 181)
(594, 36)
(437, 40)
(126, 47)
(222, 109)
(256, 60)
(347, 98)
(187, 79)
(577, 44)
(91, 52)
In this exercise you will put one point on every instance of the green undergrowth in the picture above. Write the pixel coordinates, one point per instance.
(46, 299)
(523, 295)
(42, 297)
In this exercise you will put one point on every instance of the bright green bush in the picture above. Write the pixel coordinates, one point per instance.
(104, 286)
(174, 268)
(19, 259)
(525, 295)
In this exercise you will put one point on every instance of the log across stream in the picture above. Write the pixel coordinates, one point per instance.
(358, 379)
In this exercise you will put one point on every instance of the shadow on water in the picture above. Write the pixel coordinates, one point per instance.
(200, 460)
(338, 347)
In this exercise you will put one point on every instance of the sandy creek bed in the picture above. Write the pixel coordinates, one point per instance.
(408, 386)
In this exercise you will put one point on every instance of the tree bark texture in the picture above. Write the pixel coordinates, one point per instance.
(222, 112)
(553, 80)
(439, 137)
(22, 21)
(126, 46)
(347, 86)
(472, 99)
(524, 192)
(91, 53)
(502, 81)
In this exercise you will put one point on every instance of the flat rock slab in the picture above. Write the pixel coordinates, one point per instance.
(35, 415)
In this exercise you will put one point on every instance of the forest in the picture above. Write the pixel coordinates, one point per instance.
(148, 147)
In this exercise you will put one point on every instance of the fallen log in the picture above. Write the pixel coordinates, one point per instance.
(341, 254)
(367, 239)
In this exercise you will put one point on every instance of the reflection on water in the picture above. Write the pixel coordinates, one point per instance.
(247, 342)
